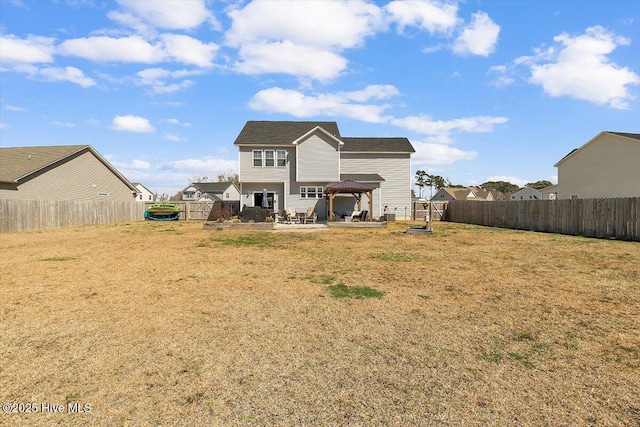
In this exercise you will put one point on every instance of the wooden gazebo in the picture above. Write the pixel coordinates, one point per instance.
(350, 187)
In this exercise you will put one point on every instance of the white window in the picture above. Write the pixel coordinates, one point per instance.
(310, 192)
(269, 158)
(226, 195)
(257, 158)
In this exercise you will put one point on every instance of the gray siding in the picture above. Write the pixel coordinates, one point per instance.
(250, 173)
(318, 159)
(395, 168)
(81, 178)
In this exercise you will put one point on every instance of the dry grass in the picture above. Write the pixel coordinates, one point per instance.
(169, 324)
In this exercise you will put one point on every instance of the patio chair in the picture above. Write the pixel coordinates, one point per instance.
(292, 216)
(363, 215)
(310, 217)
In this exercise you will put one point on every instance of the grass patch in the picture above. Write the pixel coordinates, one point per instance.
(61, 258)
(322, 279)
(253, 239)
(358, 292)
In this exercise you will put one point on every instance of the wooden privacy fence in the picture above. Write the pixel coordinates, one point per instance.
(31, 215)
(603, 218)
(200, 211)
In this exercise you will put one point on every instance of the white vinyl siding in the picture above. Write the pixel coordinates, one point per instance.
(605, 167)
(395, 190)
(81, 177)
(318, 159)
(250, 173)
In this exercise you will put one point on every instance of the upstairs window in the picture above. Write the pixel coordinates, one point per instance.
(257, 158)
(269, 158)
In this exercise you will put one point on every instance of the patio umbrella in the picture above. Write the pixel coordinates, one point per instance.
(265, 200)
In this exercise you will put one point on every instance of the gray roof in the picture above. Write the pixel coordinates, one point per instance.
(628, 135)
(377, 145)
(212, 187)
(18, 162)
(284, 133)
(279, 133)
(361, 177)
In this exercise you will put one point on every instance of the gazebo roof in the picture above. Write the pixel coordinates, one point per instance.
(348, 186)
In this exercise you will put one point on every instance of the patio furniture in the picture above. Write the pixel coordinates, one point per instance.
(310, 217)
(355, 215)
(292, 216)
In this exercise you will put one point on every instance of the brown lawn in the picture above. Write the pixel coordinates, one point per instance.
(170, 324)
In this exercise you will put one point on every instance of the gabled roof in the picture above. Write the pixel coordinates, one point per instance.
(274, 133)
(347, 186)
(280, 132)
(212, 187)
(18, 163)
(377, 145)
(623, 134)
(136, 184)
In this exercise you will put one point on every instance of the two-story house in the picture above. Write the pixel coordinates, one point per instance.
(211, 192)
(295, 161)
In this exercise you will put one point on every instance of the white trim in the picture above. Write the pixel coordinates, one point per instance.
(306, 135)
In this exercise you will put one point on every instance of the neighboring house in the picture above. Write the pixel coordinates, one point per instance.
(211, 192)
(293, 162)
(606, 166)
(144, 194)
(527, 193)
(64, 172)
(549, 193)
(447, 194)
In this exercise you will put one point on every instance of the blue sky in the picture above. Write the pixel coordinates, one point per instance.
(484, 90)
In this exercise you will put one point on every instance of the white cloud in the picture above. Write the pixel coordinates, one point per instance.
(169, 48)
(293, 37)
(68, 74)
(131, 123)
(30, 50)
(433, 16)
(174, 121)
(13, 108)
(133, 165)
(187, 50)
(580, 69)
(288, 58)
(157, 79)
(430, 154)
(3, 125)
(425, 125)
(340, 104)
(479, 37)
(337, 24)
(63, 124)
(172, 137)
(124, 49)
(172, 15)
